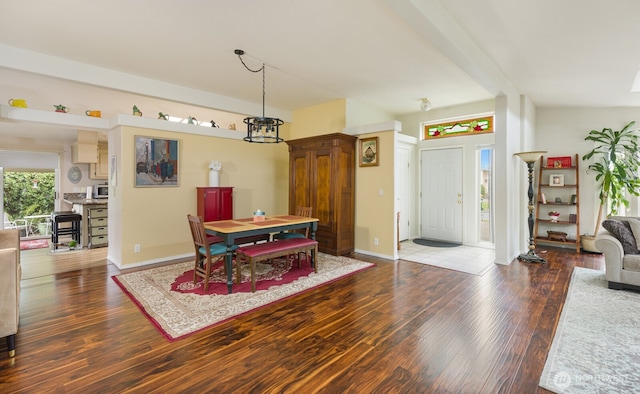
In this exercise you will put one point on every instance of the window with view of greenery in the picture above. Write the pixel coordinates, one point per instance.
(28, 193)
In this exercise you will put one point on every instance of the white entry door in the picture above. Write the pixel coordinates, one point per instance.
(441, 197)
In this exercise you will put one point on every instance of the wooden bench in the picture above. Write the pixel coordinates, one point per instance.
(269, 250)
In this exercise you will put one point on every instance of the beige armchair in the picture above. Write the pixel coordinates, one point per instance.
(622, 269)
(10, 275)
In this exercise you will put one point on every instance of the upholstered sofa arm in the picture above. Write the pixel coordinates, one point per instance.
(9, 291)
(613, 254)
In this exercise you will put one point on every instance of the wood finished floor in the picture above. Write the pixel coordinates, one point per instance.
(401, 327)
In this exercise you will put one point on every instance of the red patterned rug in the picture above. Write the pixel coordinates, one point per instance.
(178, 308)
(34, 244)
(279, 272)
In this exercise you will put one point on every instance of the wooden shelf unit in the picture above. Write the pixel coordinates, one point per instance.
(570, 187)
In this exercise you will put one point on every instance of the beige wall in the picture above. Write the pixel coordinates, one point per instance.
(319, 119)
(375, 217)
(155, 217)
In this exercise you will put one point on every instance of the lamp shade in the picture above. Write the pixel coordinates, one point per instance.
(532, 156)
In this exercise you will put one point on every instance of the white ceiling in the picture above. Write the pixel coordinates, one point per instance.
(383, 53)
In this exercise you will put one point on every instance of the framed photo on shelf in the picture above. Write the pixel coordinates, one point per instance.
(369, 155)
(556, 180)
(559, 162)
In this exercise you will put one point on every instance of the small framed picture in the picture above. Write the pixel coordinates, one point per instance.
(556, 180)
(369, 154)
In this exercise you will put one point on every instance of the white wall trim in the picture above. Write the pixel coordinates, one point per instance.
(51, 66)
(374, 128)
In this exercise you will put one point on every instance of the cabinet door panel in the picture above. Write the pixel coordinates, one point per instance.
(226, 204)
(215, 203)
(299, 182)
(322, 200)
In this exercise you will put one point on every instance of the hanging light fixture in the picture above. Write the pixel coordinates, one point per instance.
(260, 128)
(425, 105)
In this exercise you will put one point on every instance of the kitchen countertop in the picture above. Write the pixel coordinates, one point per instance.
(87, 201)
(81, 198)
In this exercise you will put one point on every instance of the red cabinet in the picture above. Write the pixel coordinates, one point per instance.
(215, 203)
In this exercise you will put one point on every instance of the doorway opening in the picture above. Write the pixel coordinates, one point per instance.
(28, 200)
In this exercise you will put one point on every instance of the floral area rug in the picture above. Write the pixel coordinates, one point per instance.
(595, 348)
(177, 308)
(279, 271)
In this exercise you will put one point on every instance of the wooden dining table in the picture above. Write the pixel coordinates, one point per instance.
(230, 230)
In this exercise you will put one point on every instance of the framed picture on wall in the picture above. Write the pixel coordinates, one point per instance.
(369, 154)
(113, 171)
(156, 162)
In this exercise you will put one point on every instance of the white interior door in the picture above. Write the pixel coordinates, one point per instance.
(403, 195)
(441, 194)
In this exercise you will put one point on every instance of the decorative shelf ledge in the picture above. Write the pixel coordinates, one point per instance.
(93, 123)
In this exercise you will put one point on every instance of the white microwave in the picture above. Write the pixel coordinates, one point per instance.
(101, 191)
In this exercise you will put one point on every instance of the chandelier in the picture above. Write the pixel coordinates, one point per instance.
(261, 129)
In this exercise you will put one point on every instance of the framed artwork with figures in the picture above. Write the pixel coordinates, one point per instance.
(156, 162)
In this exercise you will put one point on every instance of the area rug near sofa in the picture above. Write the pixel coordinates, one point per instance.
(178, 312)
(34, 244)
(596, 347)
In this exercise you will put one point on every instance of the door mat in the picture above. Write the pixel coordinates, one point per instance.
(434, 243)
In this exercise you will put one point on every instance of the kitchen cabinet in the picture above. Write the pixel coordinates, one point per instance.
(322, 176)
(97, 226)
(84, 153)
(94, 226)
(100, 170)
(215, 203)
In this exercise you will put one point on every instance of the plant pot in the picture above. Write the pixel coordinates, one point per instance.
(589, 243)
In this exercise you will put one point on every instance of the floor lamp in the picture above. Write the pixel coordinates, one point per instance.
(530, 158)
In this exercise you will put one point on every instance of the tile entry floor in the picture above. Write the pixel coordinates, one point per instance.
(469, 259)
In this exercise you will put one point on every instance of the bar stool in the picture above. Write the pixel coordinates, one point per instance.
(57, 218)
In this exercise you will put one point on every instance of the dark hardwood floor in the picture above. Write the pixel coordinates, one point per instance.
(401, 327)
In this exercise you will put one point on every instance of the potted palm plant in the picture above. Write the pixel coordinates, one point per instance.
(616, 165)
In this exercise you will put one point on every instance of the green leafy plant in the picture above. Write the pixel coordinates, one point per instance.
(616, 167)
(73, 244)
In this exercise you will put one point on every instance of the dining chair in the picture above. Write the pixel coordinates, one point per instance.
(208, 250)
(300, 211)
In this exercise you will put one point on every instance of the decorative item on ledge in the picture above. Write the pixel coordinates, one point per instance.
(261, 129)
(163, 116)
(214, 173)
(136, 111)
(61, 108)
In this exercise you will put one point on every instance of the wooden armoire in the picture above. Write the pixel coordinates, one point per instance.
(322, 176)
